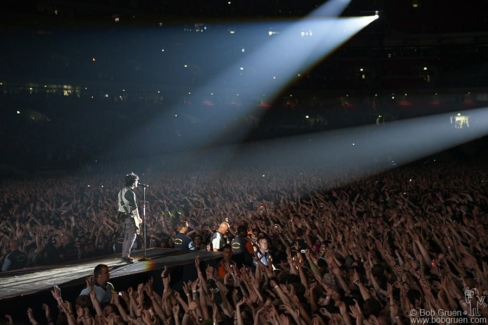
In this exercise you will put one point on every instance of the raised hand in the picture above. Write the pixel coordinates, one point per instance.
(176, 294)
(215, 311)
(284, 320)
(56, 292)
(47, 310)
(93, 296)
(241, 302)
(289, 310)
(374, 320)
(150, 282)
(164, 272)
(146, 317)
(140, 288)
(9, 320)
(115, 298)
(253, 296)
(148, 290)
(342, 308)
(195, 284)
(90, 282)
(187, 287)
(30, 316)
(166, 281)
(389, 289)
(192, 305)
(125, 295)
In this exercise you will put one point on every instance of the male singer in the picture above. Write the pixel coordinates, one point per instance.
(129, 215)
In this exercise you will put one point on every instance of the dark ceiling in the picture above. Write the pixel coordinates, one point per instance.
(412, 16)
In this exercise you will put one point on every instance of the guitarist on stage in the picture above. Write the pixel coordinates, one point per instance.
(129, 215)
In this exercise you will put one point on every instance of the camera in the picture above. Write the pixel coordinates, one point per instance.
(212, 285)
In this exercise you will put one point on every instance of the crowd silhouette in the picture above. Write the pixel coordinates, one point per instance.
(381, 249)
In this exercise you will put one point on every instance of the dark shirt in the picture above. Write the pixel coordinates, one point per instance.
(243, 251)
(49, 255)
(182, 241)
(17, 259)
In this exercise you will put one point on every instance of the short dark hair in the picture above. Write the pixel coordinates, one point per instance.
(377, 269)
(261, 238)
(299, 232)
(84, 301)
(15, 243)
(414, 294)
(371, 307)
(226, 246)
(242, 229)
(130, 179)
(181, 225)
(99, 269)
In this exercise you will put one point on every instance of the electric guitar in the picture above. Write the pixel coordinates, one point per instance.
(137, 220)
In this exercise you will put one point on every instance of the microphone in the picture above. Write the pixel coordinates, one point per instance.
(142, 185)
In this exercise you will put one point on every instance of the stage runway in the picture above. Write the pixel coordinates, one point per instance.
(30, 281)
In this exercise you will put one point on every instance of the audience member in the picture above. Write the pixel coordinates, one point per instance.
(15, 259)
(182, 241)
(218, 240)
(99, 284)
(227, 264)
(243, 251)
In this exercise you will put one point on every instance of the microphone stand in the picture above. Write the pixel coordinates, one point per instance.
(144, 258)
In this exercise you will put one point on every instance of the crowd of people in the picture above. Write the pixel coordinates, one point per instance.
(382, 249)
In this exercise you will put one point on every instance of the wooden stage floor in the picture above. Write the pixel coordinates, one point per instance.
(30, 281)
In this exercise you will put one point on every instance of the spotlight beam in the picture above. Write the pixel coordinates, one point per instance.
(358, 152)
(271, 68)
(268, 70)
